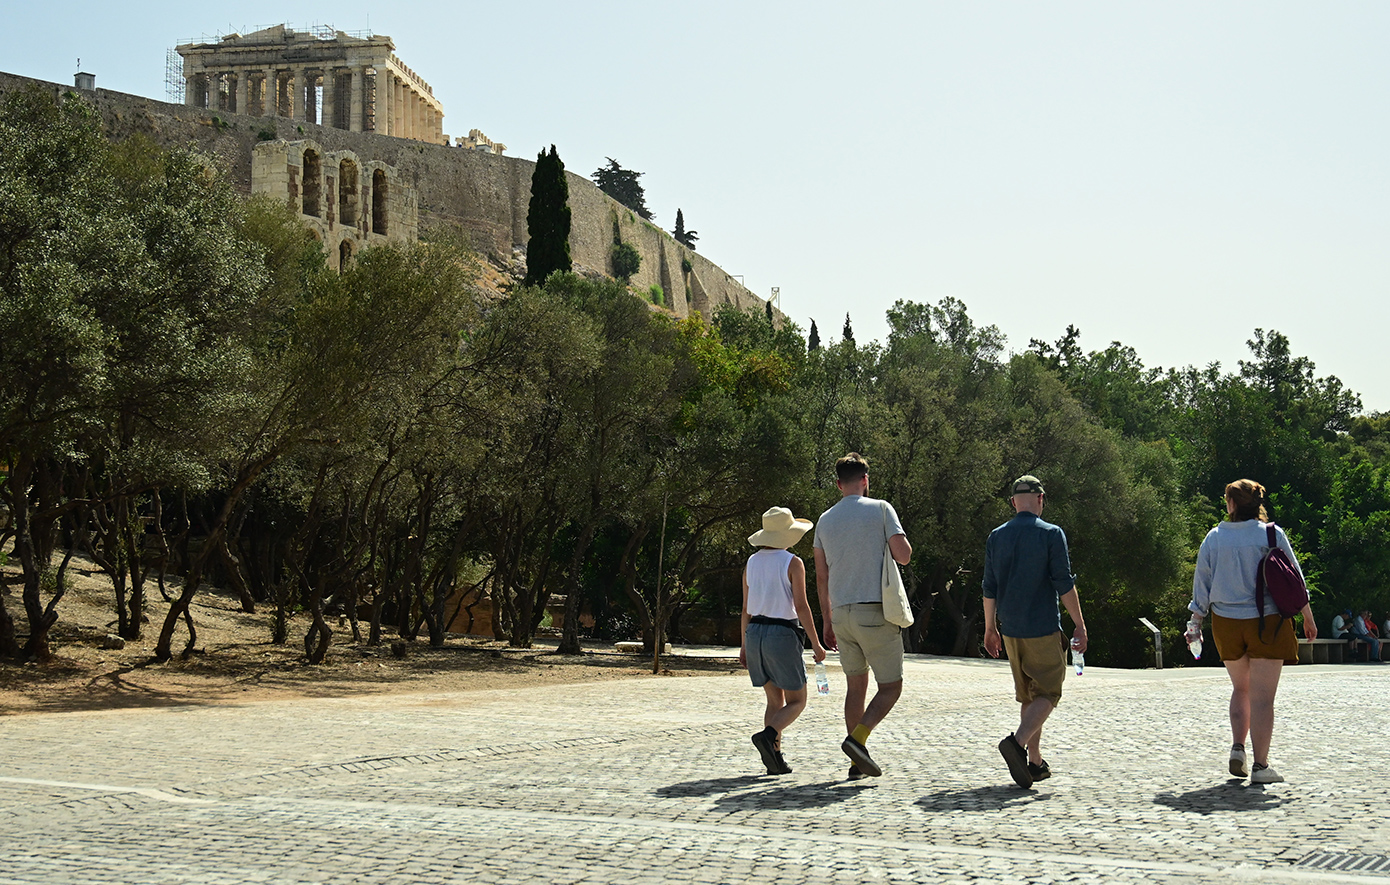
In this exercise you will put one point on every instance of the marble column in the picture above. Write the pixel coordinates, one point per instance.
(243, 92)
(385, 103)
(296, 109)
(311, 97)
(359, 77)
(330, 96)
(190, 90)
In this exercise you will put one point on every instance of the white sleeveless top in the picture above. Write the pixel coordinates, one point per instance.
(769, 588)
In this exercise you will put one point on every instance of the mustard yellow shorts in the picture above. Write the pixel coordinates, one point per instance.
(1238, 637)
(1039, 664)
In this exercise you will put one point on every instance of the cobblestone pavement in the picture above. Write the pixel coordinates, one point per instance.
(655, 780)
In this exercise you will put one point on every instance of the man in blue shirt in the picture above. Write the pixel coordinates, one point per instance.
(1027, 572)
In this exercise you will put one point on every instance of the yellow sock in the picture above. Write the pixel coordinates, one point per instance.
(861, 733)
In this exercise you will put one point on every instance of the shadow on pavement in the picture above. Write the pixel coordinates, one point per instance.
(711, 786)
(772, 792)
(1232, 795)
(980, 799)
(790, 797)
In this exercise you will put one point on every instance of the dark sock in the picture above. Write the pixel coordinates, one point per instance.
(1259, 767)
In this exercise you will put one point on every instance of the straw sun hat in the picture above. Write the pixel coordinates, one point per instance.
(780, 529)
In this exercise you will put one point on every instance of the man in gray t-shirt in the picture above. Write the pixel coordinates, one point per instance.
(850, 539)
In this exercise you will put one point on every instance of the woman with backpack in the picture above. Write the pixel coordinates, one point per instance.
(1254, 644)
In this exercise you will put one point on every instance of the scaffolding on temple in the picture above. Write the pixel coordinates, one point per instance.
(174, 88)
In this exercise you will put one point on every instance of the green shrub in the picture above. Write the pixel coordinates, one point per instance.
(686, 266)
(626, 260)
(657, 294)
(267, 133)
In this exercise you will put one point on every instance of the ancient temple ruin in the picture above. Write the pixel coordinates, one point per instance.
(333, 78)
(347, 203)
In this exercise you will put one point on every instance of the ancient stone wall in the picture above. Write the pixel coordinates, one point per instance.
(485, 194)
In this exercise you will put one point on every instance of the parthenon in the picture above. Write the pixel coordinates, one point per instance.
(281, 72)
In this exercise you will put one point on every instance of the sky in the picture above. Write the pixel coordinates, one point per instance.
(1171, 175)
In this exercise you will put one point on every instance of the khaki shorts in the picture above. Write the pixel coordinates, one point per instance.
(868, 642)
(1238, 637)
(1039, 664)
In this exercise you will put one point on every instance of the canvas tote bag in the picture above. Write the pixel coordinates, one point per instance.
(896, 609)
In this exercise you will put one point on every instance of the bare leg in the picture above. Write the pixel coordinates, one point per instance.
(794, 703)
(776, 700)
(856, 688)
(1264, 682)
(1030, 724)
(884, 699)
(1239, 671)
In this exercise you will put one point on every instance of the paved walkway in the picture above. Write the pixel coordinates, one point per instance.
(654, 780)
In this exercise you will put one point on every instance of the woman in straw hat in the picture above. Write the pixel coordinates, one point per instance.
(774, 612)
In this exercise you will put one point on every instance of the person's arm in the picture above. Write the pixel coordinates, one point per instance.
(1310, 626)
(796, 571)
(823, 593)
(989, 586)
(993, 643)
(1071, 601)
(1201, 580)
(897, 538)
(743, 625)
(900, 548)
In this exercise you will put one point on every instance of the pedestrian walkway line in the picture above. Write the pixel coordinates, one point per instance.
(818, 840)
(147, 792)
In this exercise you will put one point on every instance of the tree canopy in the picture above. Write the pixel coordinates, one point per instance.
(622, 185)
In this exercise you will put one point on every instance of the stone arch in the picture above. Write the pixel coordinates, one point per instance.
(381, 194)
(348, 193)
(313, 183)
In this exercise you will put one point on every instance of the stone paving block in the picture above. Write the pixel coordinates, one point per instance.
(649, 780)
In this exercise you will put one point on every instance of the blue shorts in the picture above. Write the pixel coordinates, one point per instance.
(774, 655)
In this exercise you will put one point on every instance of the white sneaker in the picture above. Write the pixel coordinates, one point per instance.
(1266, 775)
(1238, 767)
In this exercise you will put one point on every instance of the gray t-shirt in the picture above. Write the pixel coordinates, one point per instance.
(853, 534)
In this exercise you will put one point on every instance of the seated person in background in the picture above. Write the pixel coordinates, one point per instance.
(1371, 627)
(1385, 628)
(1341, 625)
(1360, 631)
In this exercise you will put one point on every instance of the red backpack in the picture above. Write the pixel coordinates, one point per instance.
(1277, 576)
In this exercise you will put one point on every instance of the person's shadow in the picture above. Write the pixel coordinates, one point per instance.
(775, 793)
(791, 797)
(992, 798)
(1232, 795)
(711, 786)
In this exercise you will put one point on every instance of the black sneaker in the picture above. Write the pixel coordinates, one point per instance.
(1017, 759)
(782, 766)
(767, 748)
(855, 774)
(859, 755)
(1040, 772)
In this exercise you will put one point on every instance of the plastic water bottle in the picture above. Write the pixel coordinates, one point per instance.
(1077, 658)
(822, 680)
(1193, 635)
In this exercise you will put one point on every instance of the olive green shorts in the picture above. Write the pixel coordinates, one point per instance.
(1039, 664)
(868, 642)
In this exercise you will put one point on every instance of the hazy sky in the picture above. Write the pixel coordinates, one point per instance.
(1170, 175)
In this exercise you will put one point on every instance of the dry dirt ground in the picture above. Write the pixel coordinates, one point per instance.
(235, 660)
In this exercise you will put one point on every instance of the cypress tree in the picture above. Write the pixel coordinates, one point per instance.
(548, 220)
(848, 333)
(685, 237)
(768, 305)
(813, 341)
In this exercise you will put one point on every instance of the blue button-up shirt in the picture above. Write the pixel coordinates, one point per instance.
(1027, 569)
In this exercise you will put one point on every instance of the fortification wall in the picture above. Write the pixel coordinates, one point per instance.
(485, 194)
